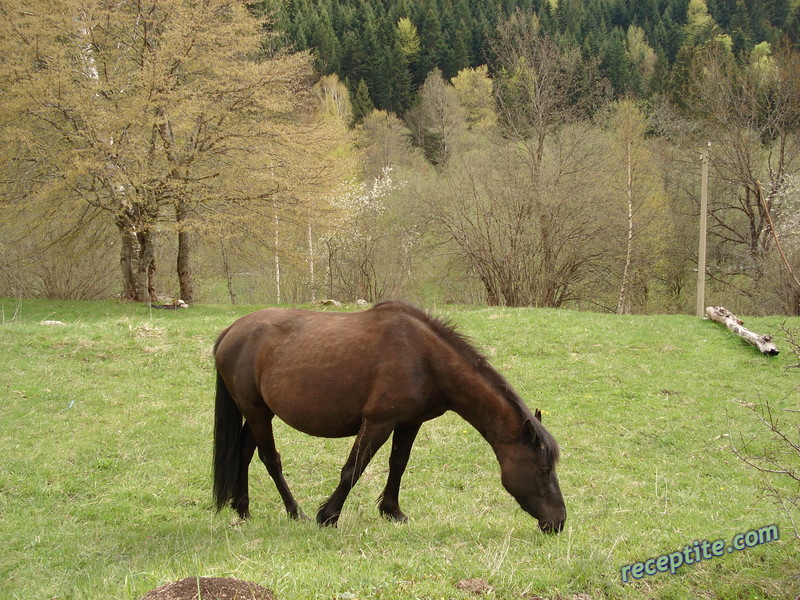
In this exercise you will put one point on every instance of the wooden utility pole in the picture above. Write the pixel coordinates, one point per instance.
(701, 252)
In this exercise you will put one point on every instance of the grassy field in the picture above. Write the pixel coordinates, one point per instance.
(106, 442)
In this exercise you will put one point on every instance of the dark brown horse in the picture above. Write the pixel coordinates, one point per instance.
(370, 374)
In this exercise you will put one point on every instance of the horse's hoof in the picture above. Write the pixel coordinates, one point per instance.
(398, 516)
(327, 520)
(299, 515)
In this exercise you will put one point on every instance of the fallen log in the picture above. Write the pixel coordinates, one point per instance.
(722, 315)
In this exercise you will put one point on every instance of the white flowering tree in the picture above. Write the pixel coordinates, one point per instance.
(368, 250)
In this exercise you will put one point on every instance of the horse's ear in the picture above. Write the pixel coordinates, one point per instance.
(538, 415)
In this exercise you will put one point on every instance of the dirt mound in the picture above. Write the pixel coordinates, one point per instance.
(210, 588)
(477, 586)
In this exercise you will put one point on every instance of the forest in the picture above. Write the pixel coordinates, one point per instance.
(533, 153)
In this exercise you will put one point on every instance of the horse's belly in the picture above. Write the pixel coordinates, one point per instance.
(318, 410)
(333, 427)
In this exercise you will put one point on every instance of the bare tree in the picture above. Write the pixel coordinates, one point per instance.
(524, 214)
(437, 119)
(752, 114)
(635, 180)
(541, 86)
(526, 249)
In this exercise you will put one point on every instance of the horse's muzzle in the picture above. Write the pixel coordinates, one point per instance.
(549, 527)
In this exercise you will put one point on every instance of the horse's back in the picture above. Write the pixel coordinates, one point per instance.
(322, 372)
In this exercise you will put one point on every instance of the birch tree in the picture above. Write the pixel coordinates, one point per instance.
(636, 182)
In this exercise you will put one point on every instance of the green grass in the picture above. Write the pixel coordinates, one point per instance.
(105, 471)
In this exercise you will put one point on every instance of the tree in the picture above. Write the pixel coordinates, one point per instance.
(334, 98)
(701, 31)
(408, 38)
(616, 64)
(527, 244)
(475, 94)
(431, 46)
(541, 86)
(386, 142)
(641, 58)
(142, 110)
(752, 113)
(369, 253)
(393, 90)
(437, 119)
(362, 102)
(636, 181)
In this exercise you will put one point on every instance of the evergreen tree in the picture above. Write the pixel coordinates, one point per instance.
(615, 64)
(659, 79)
(722, 11)
(362, 102)
(759, 21)
(778, 12)
(457, 56)
(669, 34)
(408, 38)
(351, 37)
(683, 77)
(431, 46)
(792, 28)
(327, 47)
(393, 86)
(741, 33)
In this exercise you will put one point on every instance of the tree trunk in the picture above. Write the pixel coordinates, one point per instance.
(277, 260)
(623, 305)
(126, 263)
(185, 248)
(311, 274)
(226, 266)
(763, 342)
(145, 269)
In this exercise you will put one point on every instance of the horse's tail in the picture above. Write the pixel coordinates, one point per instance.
(227, 442)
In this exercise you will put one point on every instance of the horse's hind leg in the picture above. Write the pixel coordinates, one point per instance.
(368, 441)
(272, 460)
(247, 447)
(402, 440)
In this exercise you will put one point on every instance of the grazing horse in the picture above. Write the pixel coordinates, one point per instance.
(371, 374)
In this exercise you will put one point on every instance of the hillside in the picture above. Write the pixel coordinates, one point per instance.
(361, 40)
(105, 481)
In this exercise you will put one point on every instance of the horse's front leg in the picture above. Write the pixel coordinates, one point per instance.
(370, 438)
(269, 455)
(402, 440)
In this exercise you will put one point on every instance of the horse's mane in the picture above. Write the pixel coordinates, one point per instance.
(448, 332)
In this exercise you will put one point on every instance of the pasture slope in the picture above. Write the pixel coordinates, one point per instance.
(105, 474)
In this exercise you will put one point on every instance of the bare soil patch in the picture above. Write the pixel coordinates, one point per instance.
(210, 588)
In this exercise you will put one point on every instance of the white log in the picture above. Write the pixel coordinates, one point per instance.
(722, 315)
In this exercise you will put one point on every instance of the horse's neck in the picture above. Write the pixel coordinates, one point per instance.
(474, 399)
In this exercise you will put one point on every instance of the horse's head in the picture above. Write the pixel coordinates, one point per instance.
(528, 470)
